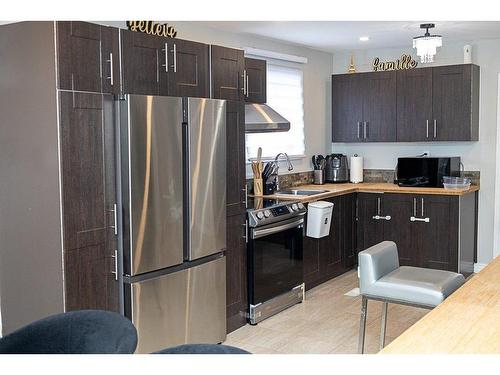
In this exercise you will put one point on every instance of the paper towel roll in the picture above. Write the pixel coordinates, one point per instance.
(356, 169)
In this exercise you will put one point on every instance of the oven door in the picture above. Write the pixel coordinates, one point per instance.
(275, 259)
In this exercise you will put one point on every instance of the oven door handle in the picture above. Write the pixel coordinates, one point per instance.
(259, 233)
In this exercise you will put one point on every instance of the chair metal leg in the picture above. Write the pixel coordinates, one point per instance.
(383, 325)
(362, 325)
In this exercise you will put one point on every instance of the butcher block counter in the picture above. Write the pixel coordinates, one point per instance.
(374, 187)
(467, 322)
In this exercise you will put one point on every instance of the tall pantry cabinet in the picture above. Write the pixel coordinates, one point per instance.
(57, 148)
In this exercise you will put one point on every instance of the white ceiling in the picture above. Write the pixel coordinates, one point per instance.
(341, 35)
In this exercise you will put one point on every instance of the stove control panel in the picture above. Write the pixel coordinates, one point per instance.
(282, 211)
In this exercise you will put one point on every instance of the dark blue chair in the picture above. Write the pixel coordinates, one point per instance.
(76, 332)
(202, 349)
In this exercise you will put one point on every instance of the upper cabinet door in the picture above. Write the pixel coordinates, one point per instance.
(87, 57)
(414, 105)
(455, 104)
(235, 157)
(379, 106)
(188, 70)
(347, 108)
(228, 65)
(144, 63)
(256, 80)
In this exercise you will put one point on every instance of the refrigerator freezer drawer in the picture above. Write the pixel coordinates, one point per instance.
(184, 307)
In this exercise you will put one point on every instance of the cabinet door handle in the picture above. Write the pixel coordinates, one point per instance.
(364, 129)
(111, 73)
(245, 236)
(175, 58)
(414, 207)
(359, 125)
(378, 206)
(423, 219)
(166, 57)
(422, 207)
(115, 272)
(246, 196)
(246, 85)
(378, 217)
(435, 128)
(244, 88)
(427, 128)
(115, 220)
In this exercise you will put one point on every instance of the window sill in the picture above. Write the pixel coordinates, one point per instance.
(271, 158)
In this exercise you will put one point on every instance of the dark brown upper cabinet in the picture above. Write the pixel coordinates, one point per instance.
(379, 106)
(364, 107)
(235, 157)
(144, 63)
(188, 68)
(455, 103)
(255, 80)
(424, 104)
(87, 56)
(228, 65)
(347, 108)
(414, 101)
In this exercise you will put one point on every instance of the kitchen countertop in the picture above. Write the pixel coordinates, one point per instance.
(467, 322)
(382, 187)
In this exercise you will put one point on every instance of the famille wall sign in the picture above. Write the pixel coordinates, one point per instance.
(403, 63)
(151, 28)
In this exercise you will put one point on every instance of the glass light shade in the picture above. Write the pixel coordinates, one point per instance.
(426, 47)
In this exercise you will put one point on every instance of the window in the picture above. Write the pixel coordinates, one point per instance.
(285, 95)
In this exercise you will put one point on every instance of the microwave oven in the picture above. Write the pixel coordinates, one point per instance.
(426, 171)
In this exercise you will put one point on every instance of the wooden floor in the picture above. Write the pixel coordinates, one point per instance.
(327, 322)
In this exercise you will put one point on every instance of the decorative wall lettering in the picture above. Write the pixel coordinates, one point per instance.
(151, 28)
(405, 62)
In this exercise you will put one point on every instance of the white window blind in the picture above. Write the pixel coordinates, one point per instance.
(285, 94)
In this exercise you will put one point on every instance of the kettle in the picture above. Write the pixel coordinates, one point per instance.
(336, 169)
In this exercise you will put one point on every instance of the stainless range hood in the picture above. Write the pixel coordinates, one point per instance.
(260, 118)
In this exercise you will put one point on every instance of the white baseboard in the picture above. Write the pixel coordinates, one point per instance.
(479, 266)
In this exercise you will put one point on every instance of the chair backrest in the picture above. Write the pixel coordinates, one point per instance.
(375, 262)
(75, 332)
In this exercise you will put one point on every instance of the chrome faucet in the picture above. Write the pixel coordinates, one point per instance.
(275, 173)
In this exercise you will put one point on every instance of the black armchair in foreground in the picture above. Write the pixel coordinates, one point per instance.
(76, 332)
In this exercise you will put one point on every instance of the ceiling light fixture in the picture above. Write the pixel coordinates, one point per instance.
(427, 44)
(364, 38)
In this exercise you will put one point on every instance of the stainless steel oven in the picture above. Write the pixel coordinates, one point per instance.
(275, 266)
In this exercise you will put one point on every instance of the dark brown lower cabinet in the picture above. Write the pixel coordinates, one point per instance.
(88, 195)
(330, 256)
(370, 230)
(431, 231)
(236, 273)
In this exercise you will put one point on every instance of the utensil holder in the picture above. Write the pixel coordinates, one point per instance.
(257, 187)
(319, 176)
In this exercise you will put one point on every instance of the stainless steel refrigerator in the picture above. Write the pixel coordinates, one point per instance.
(173, 202)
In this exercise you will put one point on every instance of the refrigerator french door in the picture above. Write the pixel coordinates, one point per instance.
(173, 192)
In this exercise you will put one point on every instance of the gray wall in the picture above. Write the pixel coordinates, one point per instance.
(31, 283)
(475, 155)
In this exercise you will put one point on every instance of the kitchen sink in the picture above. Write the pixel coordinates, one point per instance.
(300, 192)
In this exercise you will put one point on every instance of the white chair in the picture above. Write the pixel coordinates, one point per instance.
(382, 279)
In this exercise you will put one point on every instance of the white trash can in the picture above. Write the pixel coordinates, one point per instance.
(319, 216)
